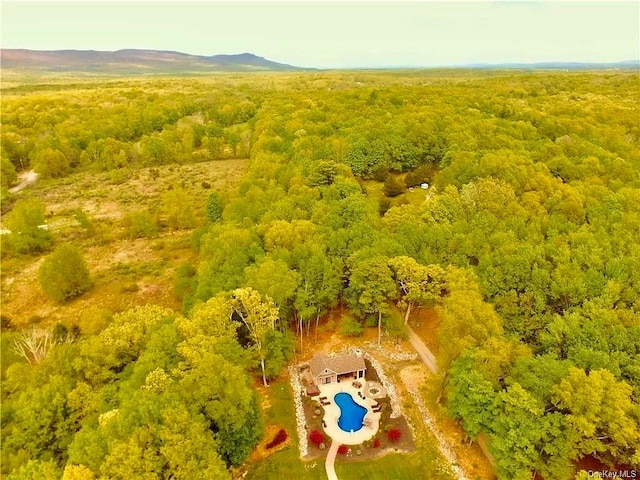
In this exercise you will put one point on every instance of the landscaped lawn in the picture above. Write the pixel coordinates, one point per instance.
(286, 464)
(417, 465)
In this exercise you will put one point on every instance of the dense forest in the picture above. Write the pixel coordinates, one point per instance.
(526, 242)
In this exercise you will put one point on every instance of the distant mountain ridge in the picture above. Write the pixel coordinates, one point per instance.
(141, 61)
(134, 61)
(559, 65)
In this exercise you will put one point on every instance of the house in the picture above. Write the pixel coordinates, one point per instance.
(331, 369)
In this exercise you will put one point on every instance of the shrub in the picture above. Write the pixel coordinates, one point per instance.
(185, 281)
(376, 443)
(343, 449)
(85, 221)
(129, 287)
(64, 273)
(140, 224)
(392, 186)
(394, 434)
(350, 326)
(380, 173)
(178, 209)
(60, 332)
(119, 176)
(94, 320)
(316, 437)
(280, 437)
(394, 325)
(371, 321)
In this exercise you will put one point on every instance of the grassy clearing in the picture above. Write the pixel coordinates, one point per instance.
(125, 272)
(109, 195)
(415, 196)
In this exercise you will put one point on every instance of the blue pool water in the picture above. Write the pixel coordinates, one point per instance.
(351, 414)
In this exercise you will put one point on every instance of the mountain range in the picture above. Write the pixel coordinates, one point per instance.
(136, 61)
(133, 61)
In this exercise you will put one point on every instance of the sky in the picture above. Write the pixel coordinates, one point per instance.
(337, 34)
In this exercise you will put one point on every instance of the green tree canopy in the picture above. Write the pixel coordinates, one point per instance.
(64, 273)
(370, 286)
(29, 233)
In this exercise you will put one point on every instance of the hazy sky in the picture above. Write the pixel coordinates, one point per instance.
(335, 35)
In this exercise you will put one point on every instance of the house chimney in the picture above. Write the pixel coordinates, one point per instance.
(358, 352)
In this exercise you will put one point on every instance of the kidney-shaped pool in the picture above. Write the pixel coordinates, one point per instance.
(351, 414)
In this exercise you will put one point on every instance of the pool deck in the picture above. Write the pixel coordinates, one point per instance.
(332, 413)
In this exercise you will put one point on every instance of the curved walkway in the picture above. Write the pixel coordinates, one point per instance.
(330, 461)
(425, 354)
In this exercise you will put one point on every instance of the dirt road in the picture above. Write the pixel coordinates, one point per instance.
(26, 178)
(425, 354)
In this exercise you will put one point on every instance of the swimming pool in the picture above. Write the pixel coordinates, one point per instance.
(351, 414)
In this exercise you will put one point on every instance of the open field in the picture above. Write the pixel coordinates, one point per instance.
(125, 272)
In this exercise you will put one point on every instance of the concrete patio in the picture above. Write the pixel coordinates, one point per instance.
(332, 412)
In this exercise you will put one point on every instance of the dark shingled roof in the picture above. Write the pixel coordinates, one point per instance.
(340, 364)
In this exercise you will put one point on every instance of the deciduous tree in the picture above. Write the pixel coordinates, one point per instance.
(418, 284)
(64, 273)
(370, 286)
(259, 315)
(29, 234)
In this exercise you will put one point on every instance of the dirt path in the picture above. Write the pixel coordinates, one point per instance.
(329, 463)
(413, 377)
(425, 354)
(26, 178)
